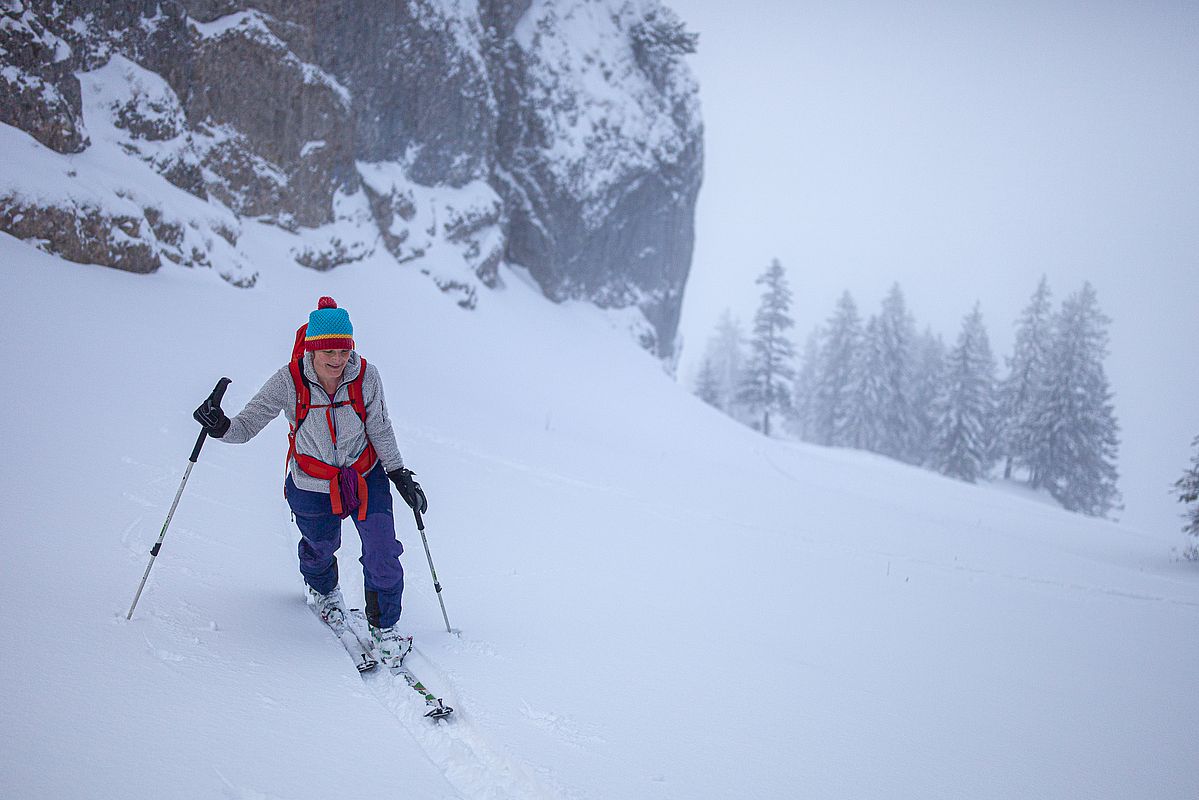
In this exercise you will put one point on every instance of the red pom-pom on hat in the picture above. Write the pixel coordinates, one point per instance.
(326, 302)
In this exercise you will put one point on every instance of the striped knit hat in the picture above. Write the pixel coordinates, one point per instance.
(329, 327)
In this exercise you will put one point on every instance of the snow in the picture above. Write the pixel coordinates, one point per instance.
(19, 19)
(590, 93)
(101, 176)
(247, 20)
(116, 176)
(435, 212)
(655, 602)
(312, 146)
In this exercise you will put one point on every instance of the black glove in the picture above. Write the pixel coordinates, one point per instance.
(409, 489)
(209, 415)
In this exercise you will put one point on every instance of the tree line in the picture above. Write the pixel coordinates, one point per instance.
(878, 384)
(1186, 489)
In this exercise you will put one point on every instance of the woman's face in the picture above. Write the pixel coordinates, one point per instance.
(330, 364)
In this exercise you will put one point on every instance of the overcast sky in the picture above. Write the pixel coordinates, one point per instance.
(963, 150)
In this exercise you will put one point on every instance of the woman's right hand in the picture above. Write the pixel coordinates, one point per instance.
(210, 415)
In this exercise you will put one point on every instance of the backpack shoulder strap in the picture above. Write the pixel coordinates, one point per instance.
(303, 390)
(298, 379)
(355, 388)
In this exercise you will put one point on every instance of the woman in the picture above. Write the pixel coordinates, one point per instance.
(342, 454)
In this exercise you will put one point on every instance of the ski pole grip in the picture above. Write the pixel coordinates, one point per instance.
(214, 400)
(420, 523)
(218, 392)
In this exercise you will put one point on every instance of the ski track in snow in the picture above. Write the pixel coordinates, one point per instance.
(473, 764)
(242, 793)
(564, 728)
(1124, 594)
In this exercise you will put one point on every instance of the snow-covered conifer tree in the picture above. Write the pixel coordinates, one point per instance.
(726, 354)
(834, 374)
(707, 385)
(928, 374)
(966, 408)
(766, 386)
(803, 406)
(897, 334)
(882, 418)
(864, 421)
(1025, 366)
(1071, 431)
(1187, 488)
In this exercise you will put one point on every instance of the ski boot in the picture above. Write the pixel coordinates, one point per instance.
(331, 606)
(391, 644)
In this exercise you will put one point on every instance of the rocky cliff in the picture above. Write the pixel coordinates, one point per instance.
(561, 136)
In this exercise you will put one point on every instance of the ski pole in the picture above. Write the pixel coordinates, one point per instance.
(215, 399)
(420, 526)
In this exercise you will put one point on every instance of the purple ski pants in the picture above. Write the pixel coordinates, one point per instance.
(320, 537)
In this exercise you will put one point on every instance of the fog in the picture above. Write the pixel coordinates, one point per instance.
(963, 151)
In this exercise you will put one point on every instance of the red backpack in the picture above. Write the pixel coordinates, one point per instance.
(313, 466)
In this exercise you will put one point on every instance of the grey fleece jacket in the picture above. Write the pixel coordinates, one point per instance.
(313, 438)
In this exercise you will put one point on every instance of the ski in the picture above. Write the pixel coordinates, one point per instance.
(437, 708)
(360, 630)
(363, 659)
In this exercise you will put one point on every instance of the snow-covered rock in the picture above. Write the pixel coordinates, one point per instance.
(562, 136)
(605, 162)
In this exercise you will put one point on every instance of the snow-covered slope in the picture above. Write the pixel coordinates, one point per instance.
(654, 602)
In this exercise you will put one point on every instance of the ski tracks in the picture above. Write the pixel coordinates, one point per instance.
(475, 766)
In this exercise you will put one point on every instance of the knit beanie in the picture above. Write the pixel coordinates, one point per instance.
(329, 328)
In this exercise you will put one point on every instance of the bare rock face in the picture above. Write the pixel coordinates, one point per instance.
(421, 90)
(283, 126)
(562, 136)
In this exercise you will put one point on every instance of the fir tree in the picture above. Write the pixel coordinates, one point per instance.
(1025, 369)
(1071, 432)
(882, 418)
(865, 419)
(834, 373)
(767, 384)
(707, 384)
(966, 407)
(725, 353)
(897, 334)
(1187, 488)
(803, 410)
(928, 376)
